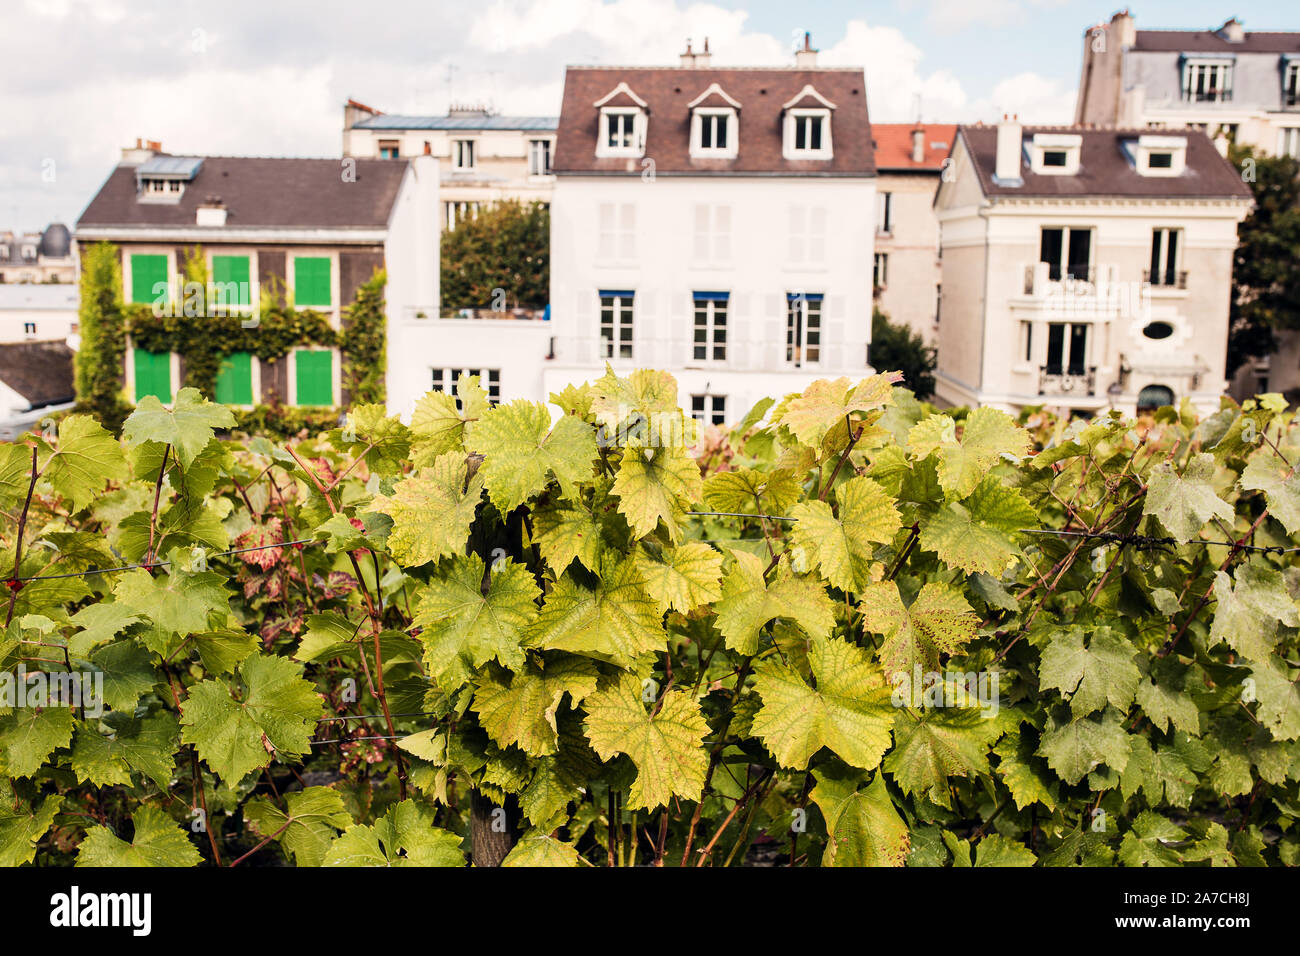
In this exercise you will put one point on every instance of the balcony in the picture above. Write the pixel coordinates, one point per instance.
(432, 313)
(1062, 381)
(1076, 280)
(1165, 278)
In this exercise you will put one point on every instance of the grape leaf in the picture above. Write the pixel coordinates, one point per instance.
(750, 491)
(645, 394)
(566, 533)
(657, 484)
(988, 435)
(384, 442)
(30, 734)
(982, 532)
(440, 423)
(86, 458)
(431, 511)
(144, 745)
(536, 848)
(825, 404)
(177, 602)
(936, 745)
(522, 452)
(128, 673)
(841, 546)
(99, 623)
(315, 816)
(1076, 747)
(404, 836)
(666, 747)
(687, 576)
(520, 709)
(1249, 612)
(22, 824)
(1090, 677)
(187, 426)
(748, 603)
(939, 621)
(848, 712)
(158, 841)
(1279, 698)
(1281, 486)
(863, 827)
(1184, 503)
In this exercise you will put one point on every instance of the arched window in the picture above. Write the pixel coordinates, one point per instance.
(1153, 397)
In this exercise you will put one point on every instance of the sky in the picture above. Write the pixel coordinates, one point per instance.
(83, 78)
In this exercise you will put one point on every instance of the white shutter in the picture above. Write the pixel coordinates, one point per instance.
(605, 246)
(722, 233)
(701, 250)
(817, 235)
(627, 247)
(797, 227)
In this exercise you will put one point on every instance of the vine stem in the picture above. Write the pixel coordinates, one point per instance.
(157, 496)
(907, 549)
(264, 842)
(18, 546)
(853, 440)
(715, 757)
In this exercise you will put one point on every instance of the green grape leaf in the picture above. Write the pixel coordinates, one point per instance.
(439, 425)
(382, 441)
(15, 471)
(1281, 486)
(315, 816)
(221, 651)
(99, 623)
(1163, 699)
(849, 711)
(617, 621)
(1077, 747)
(431, 511)
(939, 621)
(997, 850)
(463, 628)
(404, 836)
(752, 492)
(133, 745)
(1091, 677)
(980, 534)
(521, 709)
(1147, 842)
(128, 673)
(862, 826)
(657, 484)
(522, 452)
(157, 841)
(936, 745)
(1184, 503)
(842, 546)
(239, 730)
(187, 426)
(22, 824)
(30, 734)
(666, 747)
(1020, 770)
(688, 576)
(988, 436)
(748, 603)
(1279, 698)
(176, 602)
(1249, 612)
(540, 849)
(87, 457)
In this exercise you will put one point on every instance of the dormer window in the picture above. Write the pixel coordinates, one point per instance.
(1291, 83)
(162, 179)
(622, 128)
(1207, 80)
(1055, 154)
(1157, 155)
(714, 124)
(808, 126)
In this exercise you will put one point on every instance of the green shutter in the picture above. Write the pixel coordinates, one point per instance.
(235, 379)
(146, 272)
(153, 375)
(311, 284)
(231, 285)
(315, 378)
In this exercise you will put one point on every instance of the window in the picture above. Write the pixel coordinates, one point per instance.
(1055, 154)
(1027, 340)
(235, 379)
(29, 328)
(1160, 160)
(1164, 258)
(884, 212)
(880, 271)
(713, 133)
(616, 324)
(1207, 81)
(709, 409)
(1067, 348)
(1067, 252)
(539, 157)
(1055, 157)
(1288, 141)
(153, 375)
(620, 130)
(1158, 330)
(1291, 85)
(164, 188)
(313, 377)
(149, 279)
(712, 233)
(713, 130)
(1153, 397)
(389, 149)
(710, 342)
(808, 133)
(803, 329)
(807, 234)
(311, 281)
(617, 231)
(462, 154)
(448, 380)
(230, 283)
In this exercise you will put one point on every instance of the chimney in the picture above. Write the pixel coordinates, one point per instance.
(918, 144)
(211, 212)
(137, 154)
(1232, 31)
(688, 58)
(1007, 169)
(805, 58)
(704, 60)
(1125, 32)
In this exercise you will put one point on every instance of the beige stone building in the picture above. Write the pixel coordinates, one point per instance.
(37, 256)
(910, 159)
(1085, 268)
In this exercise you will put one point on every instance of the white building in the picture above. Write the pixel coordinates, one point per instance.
(37, 312)
(1086, 268)
(484, 157)
(717, 223)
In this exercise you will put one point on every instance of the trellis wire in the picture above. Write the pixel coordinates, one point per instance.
(160, 564)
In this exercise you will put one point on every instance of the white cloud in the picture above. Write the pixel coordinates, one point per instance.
(1036, 99)
(894, 77)
(950, 16)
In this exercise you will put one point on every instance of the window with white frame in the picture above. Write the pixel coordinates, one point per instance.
(1207, 81)
(1165, 247)
(620, 132)
(884, 212)
(712, 234)
(1291, 84)
(462, 154)
(710, 337)
(709, 409)
(807, 234)
(803, 329)
(1067, 348)
(616, 324)
(539, 157)
(1055, 154)
(712, 133)
(880, 271)
(616, 237)
(1288, 141)
(1067, 250)
(810, 133)
(446, 380)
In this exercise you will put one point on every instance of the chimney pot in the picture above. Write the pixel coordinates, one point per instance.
(806, 57)
(918, 144)
(1007, 166)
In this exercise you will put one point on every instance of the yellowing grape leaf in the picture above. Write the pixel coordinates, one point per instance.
(431, 511)
(862, 826)
(938, 744)
(371, 433)
(439, 426)
(1281, 486)
(750, 491)
(520, 708)
(938, 622)
(522, 452)
(667, 748)
(565, 533)
(682, 578)
(842, 546)
(1184, 503)
(657, 484)
(463, 628)
(849, 711)
(157, 841)
(987, 435)
(982, 532)
(748, 603)
(537, 848)
(825, 404)
(645, 394)
(1250, 609)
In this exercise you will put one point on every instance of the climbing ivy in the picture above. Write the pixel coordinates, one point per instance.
(99, 358)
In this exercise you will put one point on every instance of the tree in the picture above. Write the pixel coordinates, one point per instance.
(1266, 277)
(103, 337)
(898, 348)
(500, 259)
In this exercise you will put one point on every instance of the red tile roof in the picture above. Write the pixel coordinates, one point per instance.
(761, 94)
(894, 145)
